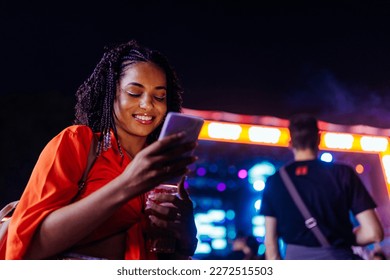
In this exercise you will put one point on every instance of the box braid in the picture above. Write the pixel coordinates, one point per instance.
(95, 97)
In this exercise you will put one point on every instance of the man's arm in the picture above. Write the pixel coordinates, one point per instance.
(271, 239)
(370, 229)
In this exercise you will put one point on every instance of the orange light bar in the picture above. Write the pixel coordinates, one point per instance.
(244, 133)
(279, 136)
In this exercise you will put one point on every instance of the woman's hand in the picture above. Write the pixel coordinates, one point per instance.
(175, 216)
(159, 162)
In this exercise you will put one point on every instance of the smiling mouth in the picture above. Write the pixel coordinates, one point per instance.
(143, 118)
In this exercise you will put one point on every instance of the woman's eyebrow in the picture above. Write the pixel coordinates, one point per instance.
(141, 86)
(134, 84)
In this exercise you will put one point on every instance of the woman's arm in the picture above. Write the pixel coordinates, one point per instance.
(63, 228)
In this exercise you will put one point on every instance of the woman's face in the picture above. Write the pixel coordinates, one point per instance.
(141, 100)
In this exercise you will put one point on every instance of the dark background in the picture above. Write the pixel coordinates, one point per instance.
(249, 57)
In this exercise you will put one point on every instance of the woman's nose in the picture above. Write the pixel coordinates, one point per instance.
(145, 102)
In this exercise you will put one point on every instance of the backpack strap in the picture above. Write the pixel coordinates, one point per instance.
(6, 211)
(91, 160)
(310, 221)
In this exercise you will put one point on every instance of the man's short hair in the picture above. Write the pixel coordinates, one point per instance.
(304, 132)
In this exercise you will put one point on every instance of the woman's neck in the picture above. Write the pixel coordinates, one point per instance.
(131, 144)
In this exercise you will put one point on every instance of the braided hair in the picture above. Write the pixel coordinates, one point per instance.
(95, 97)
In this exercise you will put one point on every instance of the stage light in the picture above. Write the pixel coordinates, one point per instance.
(201, 171)
(258, 231)
(211, 231)
(203, 248)
(224, 131)
(231, 234)
(259, 185)
(258, 220)
(327, 157)
(257, 204)
(261, 250)
(242, 174)
(221, 187)
(374, 144)
(386, 166)
(218, 244)
(230, 214)
(359, 168)
(203, 218)
(261, 134)
(338, 140)
(258, 225)
(260, 171)
(217, 215)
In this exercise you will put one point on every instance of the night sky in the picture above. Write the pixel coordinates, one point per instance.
(332, 60)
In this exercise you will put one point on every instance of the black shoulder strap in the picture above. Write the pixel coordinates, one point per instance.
(90, 162)
(310, 221)
(7, 210)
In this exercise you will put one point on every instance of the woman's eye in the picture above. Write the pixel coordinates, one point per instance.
(160, 98)
(134, 94)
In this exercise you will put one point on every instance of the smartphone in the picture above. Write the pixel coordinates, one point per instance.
(178, 122)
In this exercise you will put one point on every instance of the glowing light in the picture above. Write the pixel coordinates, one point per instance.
(257, 204)
(219, 244)
(224, 131)
(230, 214)
(211, 231)
(221, 187)
(218, 232)
(260, 171)
(203, 248)
(261, 250)
(242, 174)
(259, 185)
(359, 168)
(258, 220)
(217, 215)
(201, 171)
(327, 157)
(338, 140)
(374, 144)
(213, 215)
(239, 133)
(231, 234)
(264, 134)
(202, 218)
(258, 231)
(386, 166)
(244, 133)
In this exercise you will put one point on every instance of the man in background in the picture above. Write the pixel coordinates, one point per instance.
(330, 191)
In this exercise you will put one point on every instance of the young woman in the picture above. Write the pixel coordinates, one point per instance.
(123, 105)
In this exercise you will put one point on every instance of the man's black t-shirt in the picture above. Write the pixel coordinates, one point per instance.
(330, 191)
